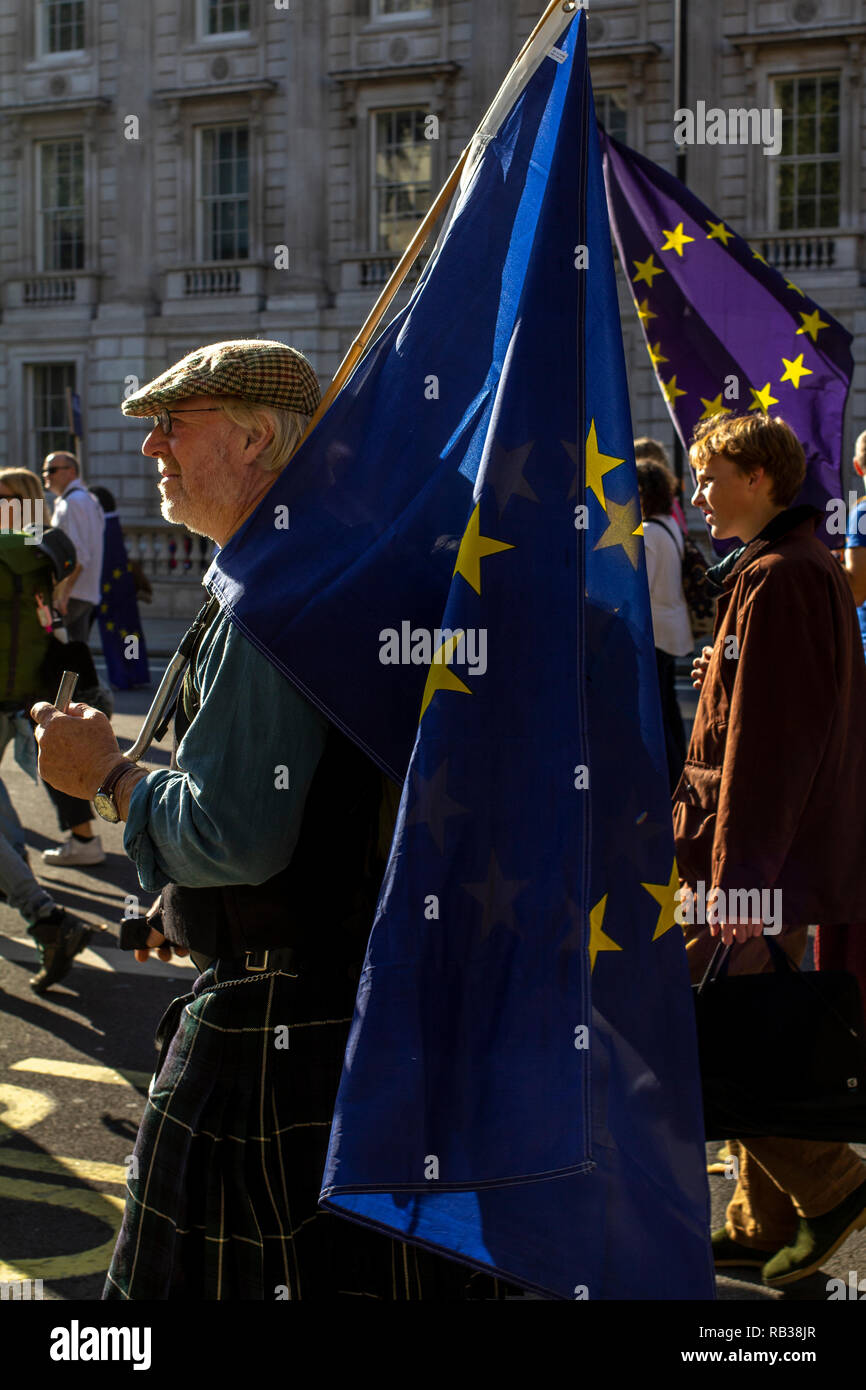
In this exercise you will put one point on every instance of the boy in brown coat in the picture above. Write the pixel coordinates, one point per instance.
(770, 799)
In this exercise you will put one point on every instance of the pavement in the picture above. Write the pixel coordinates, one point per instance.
(75, 1065)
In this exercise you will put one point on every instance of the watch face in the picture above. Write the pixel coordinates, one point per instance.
(105, 807)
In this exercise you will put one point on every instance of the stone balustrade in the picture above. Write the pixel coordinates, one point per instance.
(174, 561)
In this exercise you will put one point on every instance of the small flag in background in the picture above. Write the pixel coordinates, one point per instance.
(120, 627)
(73, 413)
(463, 589)
(713, 311)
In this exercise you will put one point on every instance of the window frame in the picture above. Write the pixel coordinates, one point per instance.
(199, 230)
(31, 370)
(39, 211)
(610, 90)
(47, 55)
(378, 16)
(374, 111)
(775, 79)
(202, 12)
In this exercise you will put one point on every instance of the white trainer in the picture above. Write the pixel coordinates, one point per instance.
(74, 851)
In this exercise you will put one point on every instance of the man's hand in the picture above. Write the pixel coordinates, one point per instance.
(157, 942)
(699, 667)
(77, 750)
(734, 931)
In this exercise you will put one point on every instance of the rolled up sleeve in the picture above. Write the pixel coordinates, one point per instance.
(231, 812)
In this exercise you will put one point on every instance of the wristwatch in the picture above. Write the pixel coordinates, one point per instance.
(103, 802)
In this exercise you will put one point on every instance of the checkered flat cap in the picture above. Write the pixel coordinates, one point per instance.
(255, 370)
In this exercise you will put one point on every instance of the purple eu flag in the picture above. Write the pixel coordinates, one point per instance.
(726, 332)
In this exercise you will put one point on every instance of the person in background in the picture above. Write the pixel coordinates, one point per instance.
(653, 449)
(672, 632)
(854, 558)
(79, 514)
(771, 799)
(117, 612)
(83, 847)
(58, 935)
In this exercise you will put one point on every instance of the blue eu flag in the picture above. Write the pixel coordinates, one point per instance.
(462, 588)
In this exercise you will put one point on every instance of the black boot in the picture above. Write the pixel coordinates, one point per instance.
(59, 938)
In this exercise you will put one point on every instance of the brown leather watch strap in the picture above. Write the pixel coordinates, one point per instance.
(107, 787)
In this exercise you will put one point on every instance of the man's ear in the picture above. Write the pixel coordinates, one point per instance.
(259, 440)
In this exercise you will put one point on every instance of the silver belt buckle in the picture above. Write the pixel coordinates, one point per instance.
(250, 956)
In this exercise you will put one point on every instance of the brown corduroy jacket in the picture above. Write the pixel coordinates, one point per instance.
(773, 793)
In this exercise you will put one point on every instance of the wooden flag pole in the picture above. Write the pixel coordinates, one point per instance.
(567, 8)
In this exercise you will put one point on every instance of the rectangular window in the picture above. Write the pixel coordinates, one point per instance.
(611, 112)
(61, 26)
(382, 9)
(225, 193)
(49, 421)
(227, 16)
(61, 204)
(807, 171)
(402, 176)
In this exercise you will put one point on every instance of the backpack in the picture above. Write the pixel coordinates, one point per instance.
(25, 571)
(700, 601)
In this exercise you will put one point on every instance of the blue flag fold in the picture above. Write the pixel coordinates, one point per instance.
(462, 588)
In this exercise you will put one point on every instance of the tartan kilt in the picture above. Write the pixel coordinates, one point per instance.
(222, 1199)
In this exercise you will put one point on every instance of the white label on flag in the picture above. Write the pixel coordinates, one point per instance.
(557, 55)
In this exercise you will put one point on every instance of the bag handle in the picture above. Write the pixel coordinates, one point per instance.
(721, 960)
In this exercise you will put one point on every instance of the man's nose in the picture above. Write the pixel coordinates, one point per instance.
(154, 443)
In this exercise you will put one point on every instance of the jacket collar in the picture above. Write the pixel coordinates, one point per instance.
(804, 518)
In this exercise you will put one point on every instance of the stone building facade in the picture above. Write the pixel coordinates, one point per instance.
(186, 170)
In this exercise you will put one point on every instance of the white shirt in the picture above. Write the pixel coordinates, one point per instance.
(79, 515)
(672, 631)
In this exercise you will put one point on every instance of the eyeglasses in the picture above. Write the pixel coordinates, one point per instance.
(163, 419)
(60, 468)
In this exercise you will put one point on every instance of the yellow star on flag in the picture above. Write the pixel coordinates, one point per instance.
(812, 324)
(646, 270)
(598, 939)
(624, 529)
(473, 549)
(794, 370)
(110, 626)
(656, 354)
(644, 312)
(762, 400)
(440, 677)
(116, 574)
(719, 232)
(676, 239)
(665, 896)
(713, 407)
(671, 390)
(792, 286)
(758, 257)
(597, 464)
